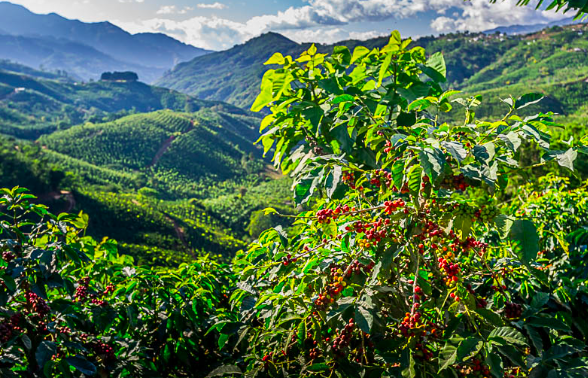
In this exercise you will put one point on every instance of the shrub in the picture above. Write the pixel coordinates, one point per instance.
(417, 260)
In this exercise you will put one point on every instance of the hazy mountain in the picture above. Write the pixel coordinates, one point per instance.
(151, 54)
(79, 60)
(527, 29)
(232, 75)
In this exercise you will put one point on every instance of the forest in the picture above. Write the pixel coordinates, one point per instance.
(378, 208)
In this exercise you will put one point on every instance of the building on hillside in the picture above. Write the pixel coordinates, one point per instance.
(119, 76)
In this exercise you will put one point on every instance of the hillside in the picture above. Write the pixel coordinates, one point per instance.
(33, 103)
(472, 59)
(86, 49)
(234, 75)
(231, 76)
(156, 182)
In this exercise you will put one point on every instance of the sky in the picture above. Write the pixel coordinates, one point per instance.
(220, 24)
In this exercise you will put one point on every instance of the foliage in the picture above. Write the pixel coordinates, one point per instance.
(415, 261)
(71, 307)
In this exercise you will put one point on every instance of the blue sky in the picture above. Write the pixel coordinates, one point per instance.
(220, 24)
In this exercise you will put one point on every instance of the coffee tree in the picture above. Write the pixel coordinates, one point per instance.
(72, 307)
(418, 259)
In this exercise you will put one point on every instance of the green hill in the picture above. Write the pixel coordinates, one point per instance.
(33, 103)
(475, 62)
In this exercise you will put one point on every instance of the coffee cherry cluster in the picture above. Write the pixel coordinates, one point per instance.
(380, 177)
(288, 259)
(10, 327)
(82, 289)
(109, 289)
(8, 256)
(451, 270)
(37, 304)
(388, 147)
(349, 179)
(99, 302)
(455, 182)
(344, 338)
(423, 352)
(487, 213)
(477, 370)
(325, 215)
(513, 310)
(104, 351)
(391, 206)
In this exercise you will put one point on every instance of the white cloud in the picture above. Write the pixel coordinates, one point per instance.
(172, 9)
(480, 15)
(323, 20)
(216, 5)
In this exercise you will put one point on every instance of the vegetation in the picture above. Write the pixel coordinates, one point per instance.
(32, 105)
(420, 258)
(423, 232)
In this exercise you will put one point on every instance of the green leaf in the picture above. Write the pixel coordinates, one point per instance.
(448, 356)
(462, 224)
(408, 360)
(503, 225)
(484, 153)
(26, 342)
(468, 348)
(436, 68)
(567, 159)
(224, 371)
(419, 105)
(528, 99)
(398, 173)
(277, 58)
(364, 318)
(301, 332)
(525, 240)
(456, 149)
(359, 52)
(414, 180)
(490, 316)
(494, 362)
(507, 335)
(44, 352)
(318, 367)
(433, 162)
(333, 180)
(384, 68)
(82, 365)
(550, 323)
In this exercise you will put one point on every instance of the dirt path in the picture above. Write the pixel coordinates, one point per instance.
(165, 146)
(55, 196)
(180, 233)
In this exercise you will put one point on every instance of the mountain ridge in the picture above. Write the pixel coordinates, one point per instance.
(161, 51)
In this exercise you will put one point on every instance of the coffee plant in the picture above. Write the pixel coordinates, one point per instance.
(419, 257)
(72, 307)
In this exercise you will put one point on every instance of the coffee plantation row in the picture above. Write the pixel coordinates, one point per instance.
(418, 252)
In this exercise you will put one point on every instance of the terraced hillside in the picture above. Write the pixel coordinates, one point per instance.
(33, 103)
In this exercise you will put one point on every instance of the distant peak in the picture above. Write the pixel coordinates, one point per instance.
(270, 36)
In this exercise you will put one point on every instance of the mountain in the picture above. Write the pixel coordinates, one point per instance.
(33, 103)
(80, 61)
(47, 36)
(527, 29)
(472, 60)
(233, 75)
